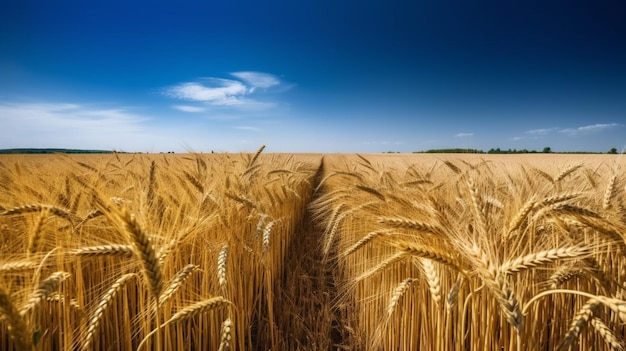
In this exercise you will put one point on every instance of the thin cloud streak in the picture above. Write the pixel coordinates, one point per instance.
(188, 108)
(464, 135)
(594, 128)
(542, 131)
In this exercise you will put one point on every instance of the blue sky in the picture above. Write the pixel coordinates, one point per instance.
(313, 76)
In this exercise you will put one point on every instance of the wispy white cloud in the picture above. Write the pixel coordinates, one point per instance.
(257, 79)
(214, 91)
(66, 125)
(217, 91)
(593, 128)
(463, 135)
(188, 108)
(542, 131)
(73, 116)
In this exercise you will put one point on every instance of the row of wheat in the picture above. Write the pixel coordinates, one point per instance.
(477, 254)
(147, 252)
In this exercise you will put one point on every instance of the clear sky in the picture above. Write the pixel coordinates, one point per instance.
(313, 75)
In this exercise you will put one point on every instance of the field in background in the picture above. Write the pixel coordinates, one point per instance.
(312, 252)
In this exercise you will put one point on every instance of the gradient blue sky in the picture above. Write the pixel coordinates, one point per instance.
(313, 76)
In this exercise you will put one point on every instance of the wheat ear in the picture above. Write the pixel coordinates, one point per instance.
(43, 290)
(431, 253)
(496, 282)
(614, 343)
(562, 275)
(366, 239)
(382, 265)
(226, 335)
(17, 266)
(125, 251)
(542, 258)
(222, 261)
(371, 191)
(144, 250)
(94, 321)
(609, 193)
(453, 294)
(57, 211)
(267, 232)
(616, 305)
(177, 282)
(36, 233)
(398, 292)
(400, 222)
(564, 173)
(432, 278)
(579, 323)
(521, 216)
(256, 156)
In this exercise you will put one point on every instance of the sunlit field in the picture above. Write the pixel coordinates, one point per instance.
(312, 252)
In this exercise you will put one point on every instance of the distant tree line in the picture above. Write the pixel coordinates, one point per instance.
(53, 151)
(452, 151)
(546, 150)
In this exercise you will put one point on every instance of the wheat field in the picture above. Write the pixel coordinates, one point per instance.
(312, 252)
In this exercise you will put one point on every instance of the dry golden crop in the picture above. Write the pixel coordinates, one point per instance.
(312, 252)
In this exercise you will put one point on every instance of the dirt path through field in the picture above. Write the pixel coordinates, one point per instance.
(307, 291)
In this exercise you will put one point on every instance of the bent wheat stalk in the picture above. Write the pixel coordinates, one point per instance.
(189, 312)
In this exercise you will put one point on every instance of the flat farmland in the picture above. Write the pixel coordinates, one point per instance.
(312, 252)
